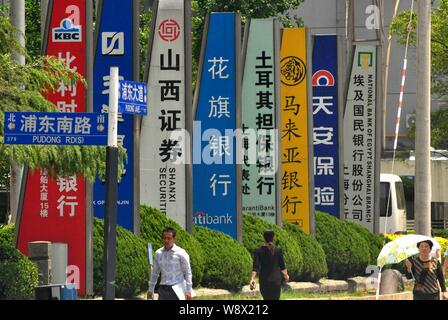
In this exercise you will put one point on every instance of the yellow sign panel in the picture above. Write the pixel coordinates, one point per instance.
(294, 130)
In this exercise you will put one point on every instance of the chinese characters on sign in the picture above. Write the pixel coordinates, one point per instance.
(115, 48)
(53, 128)
(54, 208)
(132, 98)
(259, 107)
(359, 138)
(163, 143)
(214, 178)
(326, 129)
(294, 131)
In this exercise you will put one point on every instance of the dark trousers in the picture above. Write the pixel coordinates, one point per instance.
(426, 296)
(167, 293)
(270, 290)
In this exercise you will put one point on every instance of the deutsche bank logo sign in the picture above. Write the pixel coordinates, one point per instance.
(67, 32)
(112, 43)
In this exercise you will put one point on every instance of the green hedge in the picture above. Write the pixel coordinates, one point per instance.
(152, 223)
(7, 233)
(228, 265)
(18, 275)
(314, 261)
(443, 233)
(253, 228)
(346, 251)
(132, 265)
(374, 241)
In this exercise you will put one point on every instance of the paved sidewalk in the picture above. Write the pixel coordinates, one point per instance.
(324, 286)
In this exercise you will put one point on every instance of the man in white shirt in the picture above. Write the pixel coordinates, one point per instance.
(172, 263)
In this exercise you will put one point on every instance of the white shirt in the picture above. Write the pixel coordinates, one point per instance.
(174, 267)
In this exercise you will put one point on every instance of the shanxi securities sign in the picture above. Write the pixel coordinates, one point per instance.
(163, 147)
(54, 208)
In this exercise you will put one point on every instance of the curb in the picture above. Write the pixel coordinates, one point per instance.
(352, 285)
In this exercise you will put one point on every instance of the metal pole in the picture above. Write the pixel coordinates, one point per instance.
(381, 97)
(136, 119)
(110, 216)
(309, 59)
(189, 117)
(350, 26)
(342, 71)
(423, 121)
(17, 14)
(278, 120)
(43, 15)
(238, 79)
(89, 185)
(386, 76)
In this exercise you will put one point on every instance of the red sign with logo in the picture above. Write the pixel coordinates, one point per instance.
(55, 209)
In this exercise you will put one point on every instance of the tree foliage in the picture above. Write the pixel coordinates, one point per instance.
(439, 65)
(439, 42)
(439, 129)
(247, 9)
(32, 28)
(23, 88)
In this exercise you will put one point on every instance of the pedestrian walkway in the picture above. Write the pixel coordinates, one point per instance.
(324, 287)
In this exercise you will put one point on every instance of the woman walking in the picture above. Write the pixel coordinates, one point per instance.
(269, 264)
(427, 271)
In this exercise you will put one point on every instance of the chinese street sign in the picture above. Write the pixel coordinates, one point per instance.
(132, 98)
(55, 128)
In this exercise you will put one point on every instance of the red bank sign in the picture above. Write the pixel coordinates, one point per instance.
(54, 209)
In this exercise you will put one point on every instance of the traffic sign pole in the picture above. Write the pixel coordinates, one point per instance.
(110, 216)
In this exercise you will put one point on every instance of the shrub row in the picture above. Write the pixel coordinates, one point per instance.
(18, 275)
(339, 249)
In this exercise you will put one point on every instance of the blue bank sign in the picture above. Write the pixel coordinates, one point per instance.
(114, 48)
(325, 114)
(132, 98)
(55, 128)
(214, 175)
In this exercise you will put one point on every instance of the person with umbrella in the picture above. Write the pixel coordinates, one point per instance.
(427, 271)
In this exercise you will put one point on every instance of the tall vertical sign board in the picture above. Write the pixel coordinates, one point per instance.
(259, 119)
(215, 193)
(296, 150)
(359, 139)
(164, 144)
(326, 127)
(115, 48)
(54, 209)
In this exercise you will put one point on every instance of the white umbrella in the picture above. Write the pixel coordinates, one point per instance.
(402, 248)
